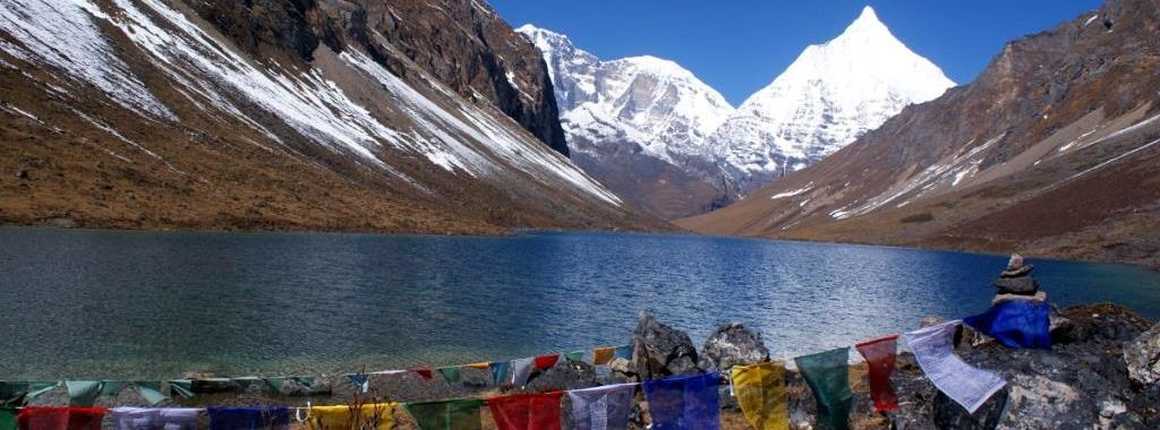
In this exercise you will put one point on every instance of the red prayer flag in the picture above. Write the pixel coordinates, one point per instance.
(427, 374)
(527, 411)
(546, 361)
(880, 354)
(46, 418)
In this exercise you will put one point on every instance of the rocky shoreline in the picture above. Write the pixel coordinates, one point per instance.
(1103, 373)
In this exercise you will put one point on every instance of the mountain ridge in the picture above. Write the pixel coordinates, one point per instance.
(832, 93)
(1051, 151)
(285, 115)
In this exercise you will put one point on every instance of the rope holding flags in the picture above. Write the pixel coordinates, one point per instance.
(880, 356)
(761, 391)
(828, 375)
(673, 403)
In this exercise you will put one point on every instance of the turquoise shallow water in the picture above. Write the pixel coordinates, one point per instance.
(101, 304)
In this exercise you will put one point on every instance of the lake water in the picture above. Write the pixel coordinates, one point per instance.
(101, 304)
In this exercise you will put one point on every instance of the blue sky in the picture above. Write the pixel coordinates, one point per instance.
(738, 47)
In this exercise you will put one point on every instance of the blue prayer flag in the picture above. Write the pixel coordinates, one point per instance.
(1016, 323)
(680, 403)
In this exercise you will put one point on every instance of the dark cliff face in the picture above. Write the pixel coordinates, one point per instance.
(463, 44)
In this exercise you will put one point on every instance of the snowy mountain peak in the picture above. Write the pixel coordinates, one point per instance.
(652, 102)
(867, 20)
(832, 94)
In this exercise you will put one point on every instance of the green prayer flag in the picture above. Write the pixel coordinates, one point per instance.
(827, 374)
(447, 415)
(83, 393)
(7, 419)
(19, 393)
(450, 374)
(574, 356)
(151, 392)
(181, 388)
(245, 383)
(112, 388)
(275, 384)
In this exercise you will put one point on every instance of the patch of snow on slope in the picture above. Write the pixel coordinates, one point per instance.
(796, 192)
(314, 107)
(536, 159)
(960, 166)
(1064, 148)
(1090, 20)
(62, 34)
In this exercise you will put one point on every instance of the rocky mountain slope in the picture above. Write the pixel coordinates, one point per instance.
(671, 144)
(639, 125)
(401, 115)
(1053, 150)
(831, 94)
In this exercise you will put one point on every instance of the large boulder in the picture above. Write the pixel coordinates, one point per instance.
(1143, 357)
(1036, 402)
(660, 351)
(730, 345)
(565, 375)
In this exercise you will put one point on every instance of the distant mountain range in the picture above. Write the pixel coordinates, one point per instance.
(1053, 150)
(670, 144)
(411, 116)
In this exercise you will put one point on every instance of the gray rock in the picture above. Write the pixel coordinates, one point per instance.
(1036, 402)
(1109, 410)
(660, 351)
(1143, 357)
(566, 375)
(948, 414)
(730, 345)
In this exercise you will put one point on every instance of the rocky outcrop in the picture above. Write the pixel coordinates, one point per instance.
(1143, 357)
(461, 43)
(730, 345)
(660, 351)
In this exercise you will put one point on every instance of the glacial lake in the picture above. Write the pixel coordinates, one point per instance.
(124, 305)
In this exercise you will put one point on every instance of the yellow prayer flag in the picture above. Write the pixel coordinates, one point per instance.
(379, 416)
(601, 356)
(760, 389)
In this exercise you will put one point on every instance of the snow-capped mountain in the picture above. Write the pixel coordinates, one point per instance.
(1048, 152)
(654, 111)
(429, 116)
(649, 115)
(832, 94)
(657, 102)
